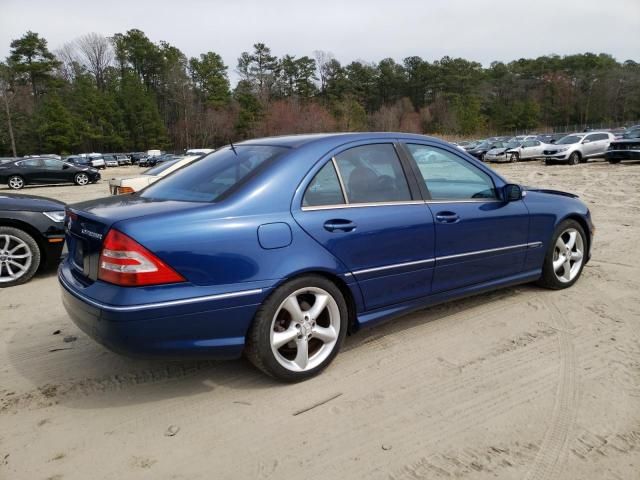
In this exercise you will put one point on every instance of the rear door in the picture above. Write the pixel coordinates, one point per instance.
(361, 205)
(479, 237)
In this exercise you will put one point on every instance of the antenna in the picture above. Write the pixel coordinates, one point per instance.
(233, 148)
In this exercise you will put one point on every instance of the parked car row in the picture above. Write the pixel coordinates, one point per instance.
(572, 148)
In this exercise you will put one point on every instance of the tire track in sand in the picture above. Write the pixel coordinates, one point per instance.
(553, 449)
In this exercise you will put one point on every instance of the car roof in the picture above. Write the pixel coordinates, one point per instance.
(297, 141)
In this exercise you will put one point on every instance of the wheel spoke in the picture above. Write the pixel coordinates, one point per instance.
(292, 306)
(327, 335)
(572, 239)
(576, 256)
(302, 355)
(21, 268)
(9, 270)
(567, 270)
(319, 305)
(24, 255)
(282, 338)
(6, 243)
(560, 243)
(557, 264)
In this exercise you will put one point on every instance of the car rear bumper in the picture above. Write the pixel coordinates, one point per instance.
(212, 326)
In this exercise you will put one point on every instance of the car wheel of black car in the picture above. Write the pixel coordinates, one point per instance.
(565, 257)
(613, 161)
(16, 182)
(299, 329)
(574, 158)
(81, 178)
(19, 257)
(514, 157)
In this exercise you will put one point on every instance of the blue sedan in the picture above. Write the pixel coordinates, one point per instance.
(277, 247)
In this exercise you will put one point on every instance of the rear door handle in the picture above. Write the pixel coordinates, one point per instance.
(447, 217)
(339, 224)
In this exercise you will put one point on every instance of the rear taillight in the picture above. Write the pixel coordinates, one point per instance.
(125, 262)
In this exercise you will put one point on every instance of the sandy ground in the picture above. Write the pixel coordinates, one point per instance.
(521, 383)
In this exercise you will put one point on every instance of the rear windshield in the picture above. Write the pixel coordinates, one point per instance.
(160, 168)
(211, 177)
(569, 139)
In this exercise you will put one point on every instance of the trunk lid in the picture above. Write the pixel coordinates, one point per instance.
(87, 224)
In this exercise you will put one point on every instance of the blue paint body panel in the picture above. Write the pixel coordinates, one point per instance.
(235, 252)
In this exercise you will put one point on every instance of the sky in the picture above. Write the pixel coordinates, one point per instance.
(479, 30)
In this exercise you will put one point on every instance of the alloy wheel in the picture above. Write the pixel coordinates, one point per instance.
(15, 258)
(305, 329)
(82, 179)
(16, 183)
(568, 255)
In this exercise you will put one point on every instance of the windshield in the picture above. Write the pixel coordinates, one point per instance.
(569, 139)
(212, 176)
(160, 168)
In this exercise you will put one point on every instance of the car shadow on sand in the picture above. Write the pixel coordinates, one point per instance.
(66, 367)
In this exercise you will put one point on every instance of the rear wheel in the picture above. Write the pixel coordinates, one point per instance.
(574, 158)
(19, 256)
(81, 179)
(565, 256)
(299, 329)
(16, 182)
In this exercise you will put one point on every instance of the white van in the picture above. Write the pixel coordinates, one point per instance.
(154, 153)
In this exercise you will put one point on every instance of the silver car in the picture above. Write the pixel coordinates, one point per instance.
(578, 147)
(527, 150)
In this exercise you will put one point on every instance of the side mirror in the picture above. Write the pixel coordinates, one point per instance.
(512, 192)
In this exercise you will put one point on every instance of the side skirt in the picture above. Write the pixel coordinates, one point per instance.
(373, 317)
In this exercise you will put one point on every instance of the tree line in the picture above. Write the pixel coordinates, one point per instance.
(128, 93)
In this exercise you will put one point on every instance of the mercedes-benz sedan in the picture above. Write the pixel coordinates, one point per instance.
(278, 247)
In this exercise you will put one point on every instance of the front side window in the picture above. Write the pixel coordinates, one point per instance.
(449, 177)
(208, 179)
(324, 189)
(372, 174)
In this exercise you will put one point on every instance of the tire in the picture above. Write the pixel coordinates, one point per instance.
(19, 257)
(574, 159)
(81, 179)
(514, 158)
(547, 161)
(613, 161)
(482, 155)
(551, 277)
(15, 182)
(298, 333)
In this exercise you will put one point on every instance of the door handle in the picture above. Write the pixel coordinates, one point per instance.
(447, 217)
(339, 224)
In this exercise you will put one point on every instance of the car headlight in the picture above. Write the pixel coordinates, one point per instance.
(563, 149)
(56, 216)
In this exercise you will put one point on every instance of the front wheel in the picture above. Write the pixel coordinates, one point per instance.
(565, 257)
(514, 157)
(19, 256)
(613, 161)
(574, 158)
(81, 179)
(16, 182)
(299, 329)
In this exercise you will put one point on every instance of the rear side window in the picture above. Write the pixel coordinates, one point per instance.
(208, 179)
(324, 189)
(449, 177)
(372, 174)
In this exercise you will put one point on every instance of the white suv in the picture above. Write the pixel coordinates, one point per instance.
(578, 147)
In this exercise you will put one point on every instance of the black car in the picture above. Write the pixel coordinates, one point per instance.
(626, 148)
(481, 149)
(31, 236)
(79, 161)
(45, 170)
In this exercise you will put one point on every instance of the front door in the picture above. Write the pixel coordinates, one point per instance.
(479, 237)
(360, 207)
